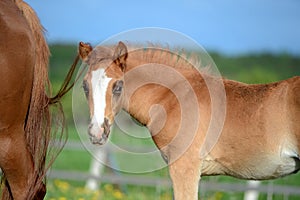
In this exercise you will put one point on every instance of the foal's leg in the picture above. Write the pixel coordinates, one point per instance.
(185, 175)
(16, 161)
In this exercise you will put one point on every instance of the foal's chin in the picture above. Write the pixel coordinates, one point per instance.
(98, 141)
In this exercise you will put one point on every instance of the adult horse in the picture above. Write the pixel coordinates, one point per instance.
(25, 120)
(259, 139)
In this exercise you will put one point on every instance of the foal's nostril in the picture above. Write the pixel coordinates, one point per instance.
(96, 140)
(99, 135)
(90, 129)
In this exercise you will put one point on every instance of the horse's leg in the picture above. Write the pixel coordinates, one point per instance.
(185, 175)
(15, 161)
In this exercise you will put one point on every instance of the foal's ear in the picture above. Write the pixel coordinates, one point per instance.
(120, 55)
(84, 49)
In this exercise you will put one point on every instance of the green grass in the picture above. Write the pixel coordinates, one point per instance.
(79, 160)
(62, 190)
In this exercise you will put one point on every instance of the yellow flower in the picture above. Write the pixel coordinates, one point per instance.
(108, 187)
(118, 194)
(96, 193)
(62, 185)
(166, 196)
(79, 190)
(62, 198)
(216, 196)
(95, 198)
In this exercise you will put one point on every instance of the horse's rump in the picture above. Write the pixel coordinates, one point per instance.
(37, 124)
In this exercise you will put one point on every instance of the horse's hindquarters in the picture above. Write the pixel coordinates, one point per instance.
(17, 59)
(17, 63)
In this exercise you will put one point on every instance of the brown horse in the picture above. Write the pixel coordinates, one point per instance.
(25, 120)
(260, 134)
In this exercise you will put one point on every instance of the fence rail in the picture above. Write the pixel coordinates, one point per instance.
(165, 182)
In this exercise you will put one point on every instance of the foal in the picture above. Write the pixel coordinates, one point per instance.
(260, 131)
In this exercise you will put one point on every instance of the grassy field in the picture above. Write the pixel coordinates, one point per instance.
(260, 68)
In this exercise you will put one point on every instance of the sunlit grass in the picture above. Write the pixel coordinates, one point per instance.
(62, 190)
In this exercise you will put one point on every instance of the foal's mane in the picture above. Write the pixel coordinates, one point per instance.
(157, 53)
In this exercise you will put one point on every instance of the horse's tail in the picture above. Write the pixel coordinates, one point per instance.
(38, 123)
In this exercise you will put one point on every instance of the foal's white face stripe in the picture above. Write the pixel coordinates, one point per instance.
(99, 87)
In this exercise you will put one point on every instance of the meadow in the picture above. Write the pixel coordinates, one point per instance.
(252, 68)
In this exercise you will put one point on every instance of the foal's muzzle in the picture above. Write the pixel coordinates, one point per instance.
(99, 137)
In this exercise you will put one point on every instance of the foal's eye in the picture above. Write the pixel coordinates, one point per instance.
(85, 88)
(117, 87)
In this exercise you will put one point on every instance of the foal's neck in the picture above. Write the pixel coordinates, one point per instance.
(152, 96)
(153, 106)
(151, 79)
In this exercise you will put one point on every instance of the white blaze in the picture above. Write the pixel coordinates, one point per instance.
(99, 87)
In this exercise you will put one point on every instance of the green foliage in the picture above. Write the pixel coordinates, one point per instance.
(257, 68)
(62, 57)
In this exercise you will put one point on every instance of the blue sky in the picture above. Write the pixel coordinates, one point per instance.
(228, 26)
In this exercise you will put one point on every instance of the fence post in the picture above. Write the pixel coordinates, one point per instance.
(252, 194)
(96, 169)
